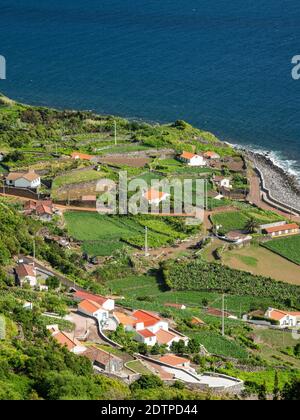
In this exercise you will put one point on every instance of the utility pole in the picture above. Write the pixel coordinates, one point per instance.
(115, 132)
(34, 249)
(146, 242)
(223, 315)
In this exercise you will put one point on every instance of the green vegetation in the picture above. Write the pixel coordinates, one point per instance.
(101, 233)
(239, 220)
(199, 275)
(286, 247)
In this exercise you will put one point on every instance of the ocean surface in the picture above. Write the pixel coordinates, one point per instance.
(222, 65)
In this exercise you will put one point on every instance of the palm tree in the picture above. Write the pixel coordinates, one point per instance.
(252, 225)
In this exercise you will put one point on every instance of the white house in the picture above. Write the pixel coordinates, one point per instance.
(149, 328)
(155, 197)
(93, 309)
(106, 303)
(191, 159)
(23, 180)
(222, 182)
(65, 340)
(285, 319)
(26, 273)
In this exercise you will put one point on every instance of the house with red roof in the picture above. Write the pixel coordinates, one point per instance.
(94, 310)
(65, 340)
(82, 156)
(43, 209)
(149, 328)
(284, 318)
(155, 197)
(26, 274)
(192, 159)
(283, 230)
(106, 303)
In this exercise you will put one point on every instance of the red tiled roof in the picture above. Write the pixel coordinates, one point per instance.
(64, 340)
(164, 337)
(154, 195)
(147, 318)
(146, 333)
(187, 155)
(277, 314)
(211, 154)
(89, 296)
(291, 226)
(83, 156)
(24, 270)
(29, 176)
(172, 360)
(89, 306)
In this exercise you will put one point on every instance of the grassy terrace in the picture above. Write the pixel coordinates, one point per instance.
(102, 234)
(238, 220)
(286, 247)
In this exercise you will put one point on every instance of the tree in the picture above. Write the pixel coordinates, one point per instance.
(53, 282)
(252, 225)
(147, 382)
(291, 391)
(178, 347)
(276, 391)
(193, 346)
(262, 394)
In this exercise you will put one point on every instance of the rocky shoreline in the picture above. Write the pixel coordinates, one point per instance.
(283, 187)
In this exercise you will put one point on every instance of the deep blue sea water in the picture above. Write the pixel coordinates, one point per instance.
(223, 65)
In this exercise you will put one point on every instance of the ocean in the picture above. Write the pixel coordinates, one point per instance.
(224, 66)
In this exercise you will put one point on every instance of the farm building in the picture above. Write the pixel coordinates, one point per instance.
(82, 156)
(191, 159)
(104, 360)
(23, 180)
(282, 230)
(42, 209)
(175, 361)
(211, 155)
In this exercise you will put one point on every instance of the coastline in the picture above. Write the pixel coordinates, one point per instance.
(279, 186)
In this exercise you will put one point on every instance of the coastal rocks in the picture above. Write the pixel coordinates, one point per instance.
(282, 186)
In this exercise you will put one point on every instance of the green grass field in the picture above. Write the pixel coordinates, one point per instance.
(286, 247)
(237, 220)
(102, 234)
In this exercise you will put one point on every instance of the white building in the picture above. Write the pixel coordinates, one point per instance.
(23, 180)
(284, 318)
(149, 328)
(106, 303)
(191, 159)
(155, 197)
(26, 273)
(93, 309)
(222, 182)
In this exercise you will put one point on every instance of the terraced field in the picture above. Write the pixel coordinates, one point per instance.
(288, 248)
